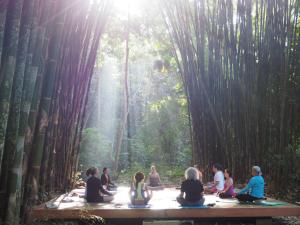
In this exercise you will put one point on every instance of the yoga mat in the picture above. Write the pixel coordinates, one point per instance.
(264, 203)
(139, 206)
(228, 201)
(194, 207)
(269, 203)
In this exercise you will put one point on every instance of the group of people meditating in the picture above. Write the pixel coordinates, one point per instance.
(192, 190)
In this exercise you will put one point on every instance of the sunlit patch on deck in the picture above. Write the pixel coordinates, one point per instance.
(162, 205)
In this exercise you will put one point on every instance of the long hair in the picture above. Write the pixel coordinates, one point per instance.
(138, 177)
(228, 171)
(153, 169)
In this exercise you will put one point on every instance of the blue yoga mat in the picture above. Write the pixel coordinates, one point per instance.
(264, 203)
(270, 203)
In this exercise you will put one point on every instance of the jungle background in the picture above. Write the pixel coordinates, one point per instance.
(128, 84)
(158, 129)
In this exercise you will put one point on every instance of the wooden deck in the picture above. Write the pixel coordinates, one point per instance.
(163, 205)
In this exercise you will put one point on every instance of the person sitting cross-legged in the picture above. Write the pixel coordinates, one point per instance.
(139, 193)
(217, 186)
(154, 179)
(106, 181)
(228, 191)
(191, 189)
(94, 190)
(254, 189)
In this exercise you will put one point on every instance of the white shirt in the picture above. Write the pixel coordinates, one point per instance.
(219, 177)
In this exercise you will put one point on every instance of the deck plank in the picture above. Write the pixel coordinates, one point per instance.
(163, 205)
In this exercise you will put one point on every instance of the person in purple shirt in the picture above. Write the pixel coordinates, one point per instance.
(228, 191)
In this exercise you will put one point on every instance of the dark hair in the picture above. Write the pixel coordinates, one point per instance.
(91, 171)
(228, 171)
(218, 166)
(104, 169)
(198, 167)
(88, 172)
(138, 177)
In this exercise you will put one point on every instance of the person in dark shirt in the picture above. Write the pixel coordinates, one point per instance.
(94, 190)
(106, 182)
(191, 189)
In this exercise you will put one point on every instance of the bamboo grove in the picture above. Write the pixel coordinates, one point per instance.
(240, 64)
(48, 51)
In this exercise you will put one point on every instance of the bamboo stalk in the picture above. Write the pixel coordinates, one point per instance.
(235, 69)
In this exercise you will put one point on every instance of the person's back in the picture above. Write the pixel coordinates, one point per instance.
(193, 190)
(140, 191)
(140, 195)
(93, 190)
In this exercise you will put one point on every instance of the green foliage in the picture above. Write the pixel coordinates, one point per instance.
(289, 164)
(168, 175)
(158, 130)
(95, 150)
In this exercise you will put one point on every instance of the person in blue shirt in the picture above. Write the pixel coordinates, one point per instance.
(254, 189)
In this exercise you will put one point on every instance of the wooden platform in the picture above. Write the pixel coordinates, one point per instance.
(163, 205)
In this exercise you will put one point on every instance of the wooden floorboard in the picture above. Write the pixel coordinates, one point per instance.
(163, 205)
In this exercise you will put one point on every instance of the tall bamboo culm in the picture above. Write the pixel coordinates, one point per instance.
(48, 50)
(240, 62)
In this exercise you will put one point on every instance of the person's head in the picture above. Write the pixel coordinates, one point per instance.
(227, 173)
(88, 172)
(216, 167)
(138, 177)
(93, 171)
(153, 169)
(105, 170)
(191, 173)
(256, 171)
(198, 167)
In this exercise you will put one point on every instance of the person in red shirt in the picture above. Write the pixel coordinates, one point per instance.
(106, 182)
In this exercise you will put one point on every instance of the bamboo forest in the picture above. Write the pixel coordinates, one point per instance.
(161, 112)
